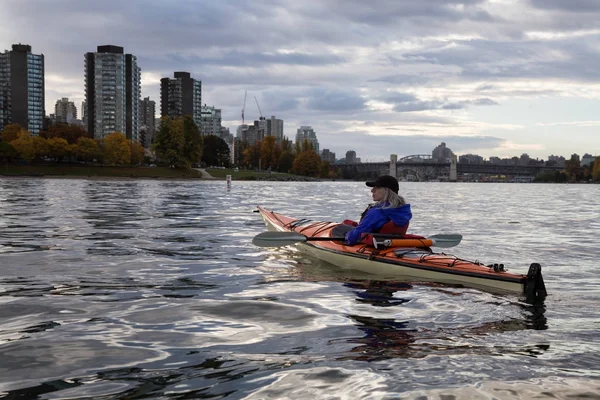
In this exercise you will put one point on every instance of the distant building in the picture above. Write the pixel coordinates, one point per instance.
(147, 121)
(112, 93)
(65, 111)
(252, 134)
(470, 159)
(524, 159)
(211, 121)
(587, 159)
(328, 156)
(559, 161)
(442, 153)
(275, 128)
(351, 157)
(308, 133)
(181, 95)
(22, 88)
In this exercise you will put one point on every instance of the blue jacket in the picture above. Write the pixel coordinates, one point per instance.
(375, 218)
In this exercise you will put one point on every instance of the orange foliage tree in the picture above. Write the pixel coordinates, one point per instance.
(116, 149)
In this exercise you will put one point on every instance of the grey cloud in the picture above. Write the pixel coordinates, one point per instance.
(567, 5)
(406, 102)
(335, 100)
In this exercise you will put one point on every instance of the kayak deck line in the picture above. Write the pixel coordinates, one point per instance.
(418, 262)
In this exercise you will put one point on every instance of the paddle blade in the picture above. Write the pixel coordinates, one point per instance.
(276, 239)
(449, 240)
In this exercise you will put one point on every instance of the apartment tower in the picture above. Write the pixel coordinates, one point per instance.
(181, 95)
(112, 93)
(22, 88)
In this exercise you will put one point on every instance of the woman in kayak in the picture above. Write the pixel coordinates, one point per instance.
(390, 214)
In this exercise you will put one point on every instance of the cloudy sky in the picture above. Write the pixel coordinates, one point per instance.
(490, 77)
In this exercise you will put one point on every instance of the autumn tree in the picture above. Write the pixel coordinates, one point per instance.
(269, 153)
(70, 132)
(215, 151)
(24, 145)
(116, 149)
(58, 148)
(87, 149)
(596, 169)
(252, 155)
(307, 163)
(573, 168)
(41, 148)
(137, 152)
(11, 132)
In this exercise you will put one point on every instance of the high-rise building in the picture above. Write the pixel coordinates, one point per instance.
(147, 121)
(65, 111)
(308, 133)
(275, 128)
(181, 96)
(351, 157)
(112, 92)
(211, 121)
(22, 88)
(442, 153)
(327, 155)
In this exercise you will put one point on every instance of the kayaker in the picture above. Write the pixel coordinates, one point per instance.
(389, 214)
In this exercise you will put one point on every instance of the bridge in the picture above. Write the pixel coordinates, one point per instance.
(422, 167)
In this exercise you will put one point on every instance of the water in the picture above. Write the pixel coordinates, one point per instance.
(152, 289)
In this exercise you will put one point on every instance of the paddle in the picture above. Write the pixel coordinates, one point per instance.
(276, 239)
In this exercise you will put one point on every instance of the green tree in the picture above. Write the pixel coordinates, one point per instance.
(573, 168)
(215, 151)
(11, 132)
(86, 149)
(59, 148)
(325, 171)
(169, 143)
(116, 149)
(286, 161)
(193, 141)
(8, 153)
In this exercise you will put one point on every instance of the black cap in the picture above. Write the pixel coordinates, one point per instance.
(386, 181)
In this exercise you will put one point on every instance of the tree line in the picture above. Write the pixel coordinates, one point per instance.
(178, 144)
(65, 142)
(573, 172)
(268, 154)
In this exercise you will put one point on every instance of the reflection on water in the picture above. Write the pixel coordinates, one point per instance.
(152, 289)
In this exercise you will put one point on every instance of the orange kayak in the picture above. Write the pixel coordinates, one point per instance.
(404, 259)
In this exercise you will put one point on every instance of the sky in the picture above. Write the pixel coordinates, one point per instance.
(488, 77)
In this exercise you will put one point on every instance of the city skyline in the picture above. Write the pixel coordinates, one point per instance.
(494, 78)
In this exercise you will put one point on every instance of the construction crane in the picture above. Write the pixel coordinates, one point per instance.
(244, 107)
(260, 112)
